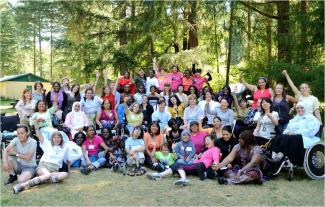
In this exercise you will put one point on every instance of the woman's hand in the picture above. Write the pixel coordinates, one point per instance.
(238, 175)
(88, 162)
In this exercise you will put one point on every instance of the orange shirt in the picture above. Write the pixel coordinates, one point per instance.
(187, 82)
(149, 145)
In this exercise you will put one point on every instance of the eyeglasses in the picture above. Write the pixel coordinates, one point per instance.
(299, 107)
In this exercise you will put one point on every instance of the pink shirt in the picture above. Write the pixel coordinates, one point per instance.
(209, 157)
(162, 80)
(198, 141)
(199, 81)
(258, 94)
(93, 145)
(176, 79)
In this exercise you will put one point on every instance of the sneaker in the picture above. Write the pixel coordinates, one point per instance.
(11, 179)
(18, 188)
(180, 182)
(187, 182)
(92, 167)
(222, 181)
(85, 171)
(132, 172)
(116, 167)
(154, 176)
(276, 160)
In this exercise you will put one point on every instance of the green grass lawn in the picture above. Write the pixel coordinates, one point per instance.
(105, 187)
(5, 106)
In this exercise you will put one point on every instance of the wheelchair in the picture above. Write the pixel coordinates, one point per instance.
(313, 163)
(8, 126)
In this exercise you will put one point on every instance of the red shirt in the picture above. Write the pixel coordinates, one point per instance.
(110, 98)
(126, 81)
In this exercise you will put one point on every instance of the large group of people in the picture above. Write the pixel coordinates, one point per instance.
(169, 122)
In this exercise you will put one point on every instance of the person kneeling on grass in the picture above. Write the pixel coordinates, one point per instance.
(93, 158)
(209, 157)
(55, 151)
(134, 147)
(249, 155)
(19, 157)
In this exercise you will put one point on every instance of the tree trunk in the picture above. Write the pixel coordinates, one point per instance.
(51, 57)
(34, 45)
(283, 31)
(216, 39)
(249, 34)
(40, 44)
(303, 31)
(269, 10)
(192, 37)
(232, 7)
(185, 41)
(122, 33)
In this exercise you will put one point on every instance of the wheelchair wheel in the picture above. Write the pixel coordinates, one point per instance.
(314, 161)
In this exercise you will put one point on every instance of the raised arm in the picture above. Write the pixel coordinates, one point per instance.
(154, 65)
(236, 104)
(105, 77)
(96, 81)
(249, 86)
(38, 134)
(290, 82)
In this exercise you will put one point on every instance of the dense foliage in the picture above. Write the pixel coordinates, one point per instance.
(74, 38)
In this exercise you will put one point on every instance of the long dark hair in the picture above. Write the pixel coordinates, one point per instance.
(268, 101)
(36, 108)
(154, 123)
(248, 138)
(178, 102)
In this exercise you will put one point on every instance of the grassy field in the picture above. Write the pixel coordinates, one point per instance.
(104, 187)
(5, 106)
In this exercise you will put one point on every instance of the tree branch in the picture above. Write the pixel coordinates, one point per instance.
(261, 12)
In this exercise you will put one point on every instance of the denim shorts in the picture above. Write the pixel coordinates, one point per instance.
(23, 168)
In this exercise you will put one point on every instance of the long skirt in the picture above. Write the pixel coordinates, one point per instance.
(290, 145)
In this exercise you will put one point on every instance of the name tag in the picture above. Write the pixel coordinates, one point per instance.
(91, 147)
(188, 149)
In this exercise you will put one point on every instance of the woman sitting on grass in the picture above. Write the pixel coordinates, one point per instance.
(210, 157)
(248, 155)
(134, 147)
(93, 159)
(55, 152)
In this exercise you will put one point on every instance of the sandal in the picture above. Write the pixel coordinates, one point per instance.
(132, 172)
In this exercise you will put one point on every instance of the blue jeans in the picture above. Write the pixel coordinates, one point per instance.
(181, 161)
(96, 160)
(75, 164)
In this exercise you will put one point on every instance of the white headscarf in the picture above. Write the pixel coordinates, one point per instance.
(78, 118)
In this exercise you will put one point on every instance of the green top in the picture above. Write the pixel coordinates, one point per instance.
(169, 159)
(134, 119)
(47, 116)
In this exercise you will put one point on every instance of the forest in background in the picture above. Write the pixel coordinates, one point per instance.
(252, 38)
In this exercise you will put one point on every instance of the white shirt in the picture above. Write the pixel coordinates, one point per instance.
(54, 154)
(310, 101)
(266, 126)
(75, 152)
(213, 106)
(151, 82)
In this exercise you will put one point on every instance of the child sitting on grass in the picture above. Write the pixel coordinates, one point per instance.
(164, 158)
(134, 147)
(185, 149)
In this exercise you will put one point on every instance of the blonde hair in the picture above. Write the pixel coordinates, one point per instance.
(23, 95)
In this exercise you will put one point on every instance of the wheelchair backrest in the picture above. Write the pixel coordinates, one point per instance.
(9, 123)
